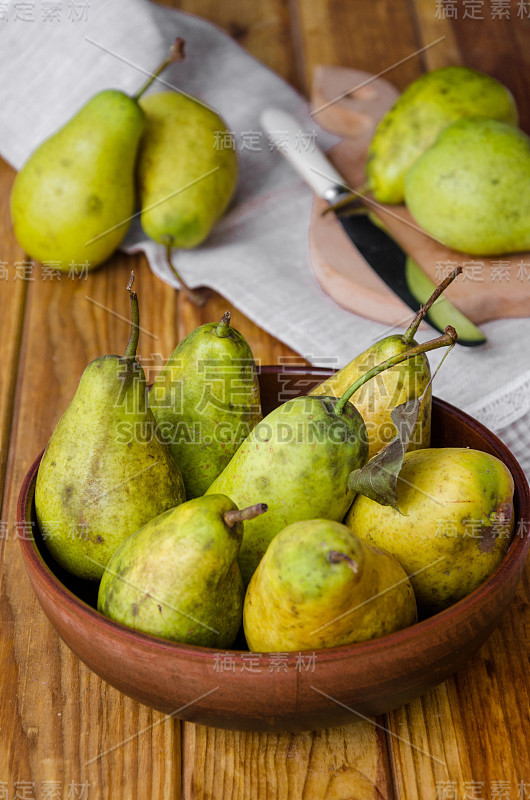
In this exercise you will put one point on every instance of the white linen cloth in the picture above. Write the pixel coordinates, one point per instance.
(57, 53)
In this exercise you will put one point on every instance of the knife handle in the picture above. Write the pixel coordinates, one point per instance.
(307, 159)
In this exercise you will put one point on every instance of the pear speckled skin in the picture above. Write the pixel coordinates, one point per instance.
(299, 598)
(471, 189)
(427, 106)
(297, 461)
(380, 395)
(79, 184)
(180, 145)
(206, 401)
(177, 577)
(104, 472)
(456, 522)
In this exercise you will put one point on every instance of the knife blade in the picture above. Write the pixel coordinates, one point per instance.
(381, 252)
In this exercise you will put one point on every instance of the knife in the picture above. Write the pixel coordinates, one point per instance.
(382, 253)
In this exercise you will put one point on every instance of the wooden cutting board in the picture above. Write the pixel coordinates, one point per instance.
(489, 288)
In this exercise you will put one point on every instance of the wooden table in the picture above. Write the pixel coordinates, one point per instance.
(466, 739)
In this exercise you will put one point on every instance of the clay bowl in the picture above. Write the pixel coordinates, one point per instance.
(278, 692)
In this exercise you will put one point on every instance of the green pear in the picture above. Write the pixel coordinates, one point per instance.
(318, 585)
(407, 381)
(298, 460)
(427, 106)
(471, 189)
(181, 144)
(105, 472)
(73, 199)
(177, 577)
(377, 398)
(186, 176)
(206, 401)
(455, 523)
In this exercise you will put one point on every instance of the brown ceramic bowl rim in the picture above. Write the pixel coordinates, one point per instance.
(457, 611)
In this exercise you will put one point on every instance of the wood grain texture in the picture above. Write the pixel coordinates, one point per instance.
(498, 45)
(12, 300)
(476, 723)
(431, 27)
(348, 763)
(60, 722)
(263, 28)
(360, 35)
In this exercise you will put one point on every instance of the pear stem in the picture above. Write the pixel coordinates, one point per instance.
(132, 344)
(176, 53)
(410, 333)
(448, 339)
(195, 298)
(335, 558)
(223, 328)
(236, 515)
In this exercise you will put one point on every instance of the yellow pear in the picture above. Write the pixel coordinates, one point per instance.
(455, 524)
(318, 585)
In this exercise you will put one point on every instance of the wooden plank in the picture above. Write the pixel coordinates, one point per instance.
(12, 299)
(59, 721)
(371, 36)
(432, 25)
(476, 723)
(261, 28)
(468, 735)
(498, 45)
(333, 764)
(348, 762)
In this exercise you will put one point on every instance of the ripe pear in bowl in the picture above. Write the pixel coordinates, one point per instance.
(407, 381)
(177, 577)
(105, 472)
(471, 189)
(376, 399)
(299, 459)
(454, 523)
(318, 586)
(206, 401)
